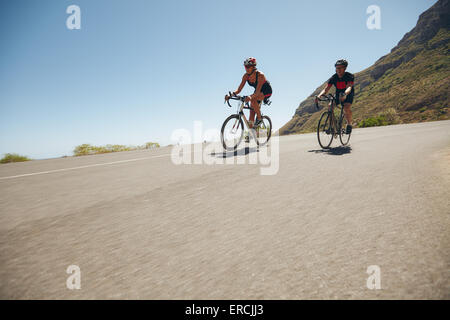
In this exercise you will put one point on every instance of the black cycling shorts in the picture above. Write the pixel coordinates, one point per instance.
(267, 91)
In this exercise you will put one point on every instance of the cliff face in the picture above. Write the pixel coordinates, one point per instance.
(413, 79)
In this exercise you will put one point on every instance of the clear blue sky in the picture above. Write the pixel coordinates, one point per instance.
(139, 69)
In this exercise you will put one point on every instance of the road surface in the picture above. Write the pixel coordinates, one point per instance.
(140, 227)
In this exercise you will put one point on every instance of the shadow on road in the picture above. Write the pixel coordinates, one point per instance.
(338, 151)
(240, 152)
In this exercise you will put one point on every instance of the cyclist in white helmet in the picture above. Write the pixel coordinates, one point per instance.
(263, 90)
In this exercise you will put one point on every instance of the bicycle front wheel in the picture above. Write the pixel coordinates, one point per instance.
(264, 131)
(232, 132)
(325, 132)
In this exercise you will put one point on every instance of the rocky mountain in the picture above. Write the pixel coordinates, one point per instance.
(410, 84)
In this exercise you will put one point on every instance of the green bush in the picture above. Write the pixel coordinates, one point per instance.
(370, 122)
(13, 157)
(387, 117)
(151, 145)
(86, 149)
(83, 149)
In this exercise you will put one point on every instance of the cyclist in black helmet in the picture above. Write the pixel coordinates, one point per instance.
(344, 83)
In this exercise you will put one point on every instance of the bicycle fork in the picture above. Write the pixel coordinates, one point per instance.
(235, 126)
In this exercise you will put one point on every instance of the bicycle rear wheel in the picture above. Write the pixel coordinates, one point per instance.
(264, 131)
(232, 132)
(325, 132)
(343, 136)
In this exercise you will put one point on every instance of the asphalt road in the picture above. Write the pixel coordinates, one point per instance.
(139, 226)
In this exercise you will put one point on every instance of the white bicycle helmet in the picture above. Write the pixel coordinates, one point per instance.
(250, 62)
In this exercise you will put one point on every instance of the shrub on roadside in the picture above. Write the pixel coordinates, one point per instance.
(385, 118)
(83, 149)
(86, 149)
(13, 157)
(151, 145)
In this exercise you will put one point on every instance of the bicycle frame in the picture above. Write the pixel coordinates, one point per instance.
(240, 112)
(336, 125)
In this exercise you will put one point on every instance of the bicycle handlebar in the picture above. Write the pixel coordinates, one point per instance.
(234, 97)
(328, 97)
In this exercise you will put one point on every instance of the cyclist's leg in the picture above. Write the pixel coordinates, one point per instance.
(251, 118)
(348, 108)
(348, 112)
(255, 103)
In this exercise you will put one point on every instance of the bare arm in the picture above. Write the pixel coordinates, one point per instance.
(325, 89)
(349, 88)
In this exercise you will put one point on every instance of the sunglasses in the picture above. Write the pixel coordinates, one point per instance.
(247, 67)
(340, 67)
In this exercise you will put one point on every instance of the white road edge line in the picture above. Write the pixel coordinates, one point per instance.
(81, 167)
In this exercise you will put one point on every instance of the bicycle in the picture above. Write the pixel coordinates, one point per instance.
(232, 130)
(329, 127)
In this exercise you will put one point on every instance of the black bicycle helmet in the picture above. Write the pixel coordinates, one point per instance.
(341, 62)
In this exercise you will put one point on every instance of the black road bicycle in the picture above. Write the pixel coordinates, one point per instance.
(331, 125)
(233, 127)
